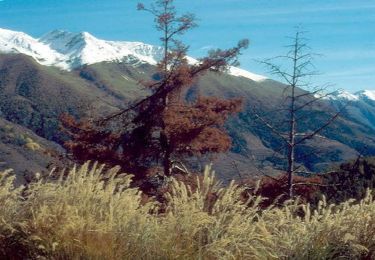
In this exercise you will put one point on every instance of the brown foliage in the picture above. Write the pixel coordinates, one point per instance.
(197, 129)
(275, 189)
(89, 142)
(164, 126)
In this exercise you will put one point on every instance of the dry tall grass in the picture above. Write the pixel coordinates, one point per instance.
(85, 216)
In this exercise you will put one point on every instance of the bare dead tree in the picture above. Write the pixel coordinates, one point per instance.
(296, 70)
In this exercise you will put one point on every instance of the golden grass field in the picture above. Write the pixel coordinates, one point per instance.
(85, 216)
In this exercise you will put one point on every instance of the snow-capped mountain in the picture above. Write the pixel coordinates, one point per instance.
(67, 50)
(359, 107)
(246, 74)
(18, 42)
(366, 95)
(341, 95)
(83, 48)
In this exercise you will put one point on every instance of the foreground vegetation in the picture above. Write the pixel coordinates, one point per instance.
(91, 213)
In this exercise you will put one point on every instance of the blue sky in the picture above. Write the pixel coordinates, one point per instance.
(343, 31)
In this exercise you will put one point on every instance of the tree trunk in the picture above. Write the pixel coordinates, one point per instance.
(167, 165)
(291, 145)
(290, 171)
(292, 130)
(165, 145)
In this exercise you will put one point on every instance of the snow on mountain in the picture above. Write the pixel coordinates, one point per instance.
(343, 95)
(339, 95)
(366, 94)
(246, 74)
(68, 50)
(83, 48)
(234, 71)
(347, 96)
(19, 42)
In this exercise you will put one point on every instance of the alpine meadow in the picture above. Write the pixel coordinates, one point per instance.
(217, 130)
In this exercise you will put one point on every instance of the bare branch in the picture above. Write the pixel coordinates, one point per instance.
(276, 70)
(314, 133)
(281, 135)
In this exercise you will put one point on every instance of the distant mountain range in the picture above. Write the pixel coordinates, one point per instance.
(82, 75)
(363, 95)
(68, 51)
(359, 106)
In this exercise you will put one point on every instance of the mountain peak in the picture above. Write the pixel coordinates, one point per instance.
(366, 94)
(86, 35)
(9, 33)
(19, 42)
(344, 95)
(362, 95)
(68, 50)
(63, 41)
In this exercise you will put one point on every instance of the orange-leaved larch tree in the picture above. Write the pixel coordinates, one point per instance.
(163, 128)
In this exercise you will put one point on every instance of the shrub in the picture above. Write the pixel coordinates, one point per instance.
(274, 190)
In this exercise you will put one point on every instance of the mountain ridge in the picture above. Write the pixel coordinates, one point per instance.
(67, 50)
(345, 95)
(27, 88)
